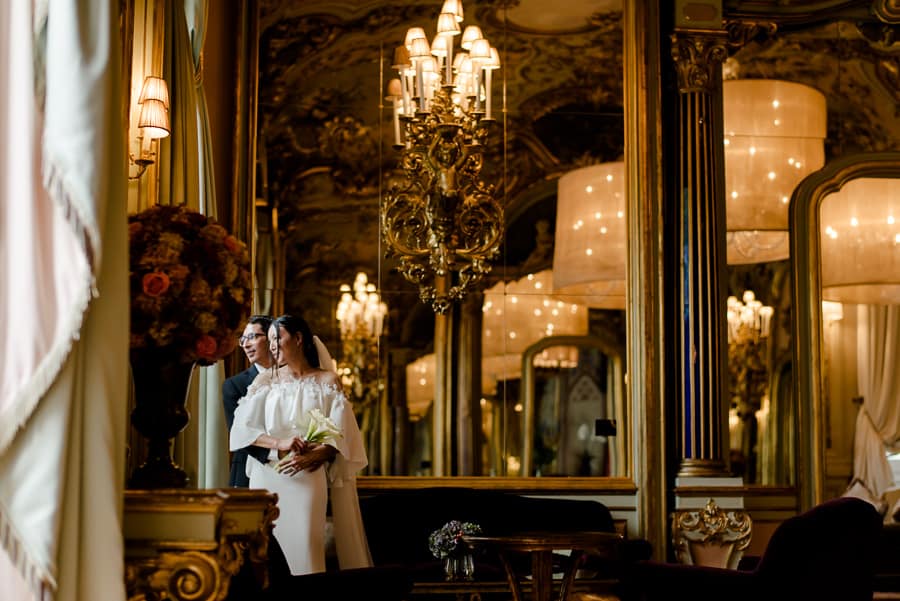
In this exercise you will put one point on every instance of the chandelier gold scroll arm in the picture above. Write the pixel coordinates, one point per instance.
(404, 223)
(480, 224)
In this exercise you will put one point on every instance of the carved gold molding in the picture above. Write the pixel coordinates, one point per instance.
(187, 544)
(698, 57)
(887, 10)
(711, 525)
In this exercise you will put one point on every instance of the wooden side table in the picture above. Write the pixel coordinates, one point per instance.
(540, 545)
(186, 544)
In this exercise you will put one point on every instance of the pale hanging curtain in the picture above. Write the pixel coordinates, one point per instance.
(187, 177)
(64, 291)
(180, 159)
(878, 421)
(195, 12)
(214, 464)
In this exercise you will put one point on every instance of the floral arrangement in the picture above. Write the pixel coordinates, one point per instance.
(447, 540)
(190, 284)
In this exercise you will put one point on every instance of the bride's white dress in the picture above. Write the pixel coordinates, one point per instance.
(276, 404)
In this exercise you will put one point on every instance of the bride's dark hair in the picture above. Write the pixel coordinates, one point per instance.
(297, 325)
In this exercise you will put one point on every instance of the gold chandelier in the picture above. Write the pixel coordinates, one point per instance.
(443, 223)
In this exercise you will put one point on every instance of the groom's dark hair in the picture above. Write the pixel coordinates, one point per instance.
(264, 321)
(297, 325)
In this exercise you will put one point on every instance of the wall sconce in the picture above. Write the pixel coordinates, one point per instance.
(153, 121)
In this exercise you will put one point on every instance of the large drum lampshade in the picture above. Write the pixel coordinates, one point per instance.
(590, 242)
(774, 137)
(860, 242)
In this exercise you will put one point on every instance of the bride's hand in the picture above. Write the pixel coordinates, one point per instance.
(294, 443)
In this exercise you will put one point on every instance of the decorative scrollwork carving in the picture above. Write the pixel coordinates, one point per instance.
(880, 33)
(182, 576)
(711, 525)
(741, 33)
(444, 224)
(697, 57)
(887, 11)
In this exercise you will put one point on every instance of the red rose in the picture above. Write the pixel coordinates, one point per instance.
(155, 283)
(206, 347)
(232, 244)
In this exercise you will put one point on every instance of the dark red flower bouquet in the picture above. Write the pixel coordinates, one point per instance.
(190, 284)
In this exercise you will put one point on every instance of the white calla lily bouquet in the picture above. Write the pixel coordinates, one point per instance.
(315, 427)
(318, 427)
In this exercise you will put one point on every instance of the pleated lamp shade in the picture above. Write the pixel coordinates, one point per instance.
(774, 137)
(154, 119)
(590, 242)
(860, 242)
(420, 385)
(154, 88)
(518, 314)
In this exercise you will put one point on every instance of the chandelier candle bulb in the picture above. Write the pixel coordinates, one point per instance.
(748, 320)
(395, 92)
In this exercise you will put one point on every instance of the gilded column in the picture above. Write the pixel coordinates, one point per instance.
(468, 378)
(441, 456)
(698, 60)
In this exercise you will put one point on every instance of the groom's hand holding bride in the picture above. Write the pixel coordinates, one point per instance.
(310, 458)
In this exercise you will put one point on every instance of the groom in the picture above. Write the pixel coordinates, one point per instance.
(256, 346)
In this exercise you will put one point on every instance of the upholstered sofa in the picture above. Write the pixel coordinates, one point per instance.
(828, 552)
(398, 523)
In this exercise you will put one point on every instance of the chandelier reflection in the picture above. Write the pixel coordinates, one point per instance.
(749, 325)
(361, 314)
(443, 222)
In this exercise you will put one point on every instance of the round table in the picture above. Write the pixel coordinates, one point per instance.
(540, 545)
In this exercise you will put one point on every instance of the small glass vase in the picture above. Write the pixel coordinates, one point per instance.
(460, 568)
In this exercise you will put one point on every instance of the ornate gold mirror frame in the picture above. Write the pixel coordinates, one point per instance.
(808, 326)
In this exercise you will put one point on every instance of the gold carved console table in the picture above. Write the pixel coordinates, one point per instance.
(184, 544)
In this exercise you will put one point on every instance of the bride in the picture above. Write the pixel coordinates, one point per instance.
(276, 414)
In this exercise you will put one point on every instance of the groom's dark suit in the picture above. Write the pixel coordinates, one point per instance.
(234, 389)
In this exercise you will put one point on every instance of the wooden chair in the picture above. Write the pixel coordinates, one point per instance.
(711, 536)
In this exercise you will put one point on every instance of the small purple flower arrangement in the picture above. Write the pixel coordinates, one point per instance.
(447, 540)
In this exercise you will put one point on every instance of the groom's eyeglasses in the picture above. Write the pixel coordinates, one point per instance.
(249, 337)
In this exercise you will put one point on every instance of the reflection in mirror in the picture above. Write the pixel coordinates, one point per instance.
(775, 94)
(852, 66)
(326, 158)
(516, 316)
(847, 321)
(774, 136)
(571, 407)
(858, 235)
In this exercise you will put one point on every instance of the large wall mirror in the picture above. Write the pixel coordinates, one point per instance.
(796, 100)
(325, 161)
